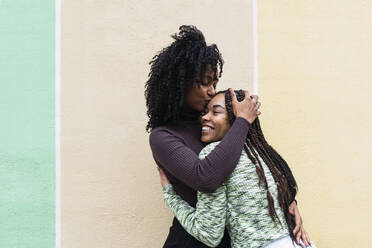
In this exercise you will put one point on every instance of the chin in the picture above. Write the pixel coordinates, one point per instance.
(206, 139)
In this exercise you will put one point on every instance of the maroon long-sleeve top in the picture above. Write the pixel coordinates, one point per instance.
(175, 148)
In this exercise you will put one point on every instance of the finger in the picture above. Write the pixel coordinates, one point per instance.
(254, 97)
(300, 220)
(298, 216)
(298, 223)
(258, 105)
(298, 238)
(296, 229)
(233, 96)
(304, 239)
(304, 236)
(307, 238)
(246, 95)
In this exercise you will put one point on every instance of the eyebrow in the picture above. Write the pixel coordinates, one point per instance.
(217, 105)
(214, 77)
(209, 77)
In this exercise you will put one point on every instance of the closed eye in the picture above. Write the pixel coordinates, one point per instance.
(204, 112)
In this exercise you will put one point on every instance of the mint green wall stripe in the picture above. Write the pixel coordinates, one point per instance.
(27, 127)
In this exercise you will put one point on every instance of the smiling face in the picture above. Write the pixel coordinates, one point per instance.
(198, 95)
(215, 122)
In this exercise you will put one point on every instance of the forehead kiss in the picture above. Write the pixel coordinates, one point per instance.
(217, 102)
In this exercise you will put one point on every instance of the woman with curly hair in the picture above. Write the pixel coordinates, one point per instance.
(182, 79)
(253, 203)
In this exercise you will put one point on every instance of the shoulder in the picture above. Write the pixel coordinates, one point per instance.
(164, 134)
(207, 149)
(164, 131)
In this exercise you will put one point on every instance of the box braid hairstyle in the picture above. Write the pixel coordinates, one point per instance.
(255, 141)
(173, 70)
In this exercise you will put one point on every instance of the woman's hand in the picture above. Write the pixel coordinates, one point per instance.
(163, 178)
(248, 108)
(299, 230)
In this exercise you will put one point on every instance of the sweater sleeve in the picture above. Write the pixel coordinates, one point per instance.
(203, 175)
(207, 221)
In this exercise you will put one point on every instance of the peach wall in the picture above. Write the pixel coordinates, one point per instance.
(315, 83)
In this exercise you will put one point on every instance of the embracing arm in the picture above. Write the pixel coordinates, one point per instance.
(206, 222)
(203, 175)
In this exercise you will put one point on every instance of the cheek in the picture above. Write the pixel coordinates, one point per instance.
(226, 126)
(191, 95)
(203, 91)
(197, 93)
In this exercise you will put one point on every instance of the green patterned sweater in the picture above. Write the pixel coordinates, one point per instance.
(239, 204)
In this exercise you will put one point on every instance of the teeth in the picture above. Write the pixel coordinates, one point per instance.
(205, 128)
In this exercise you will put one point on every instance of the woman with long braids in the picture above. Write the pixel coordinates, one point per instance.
(182, 79)
(253, 202)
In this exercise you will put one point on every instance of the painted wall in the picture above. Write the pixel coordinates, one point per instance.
(315, 84)
(27, 157)
(314, 60)
(111, 195)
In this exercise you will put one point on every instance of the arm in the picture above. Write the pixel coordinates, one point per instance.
(202, 175)
(206, 222)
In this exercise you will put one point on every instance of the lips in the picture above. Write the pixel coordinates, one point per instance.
(207, 128)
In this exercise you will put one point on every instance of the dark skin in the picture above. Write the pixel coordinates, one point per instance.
(198, 95)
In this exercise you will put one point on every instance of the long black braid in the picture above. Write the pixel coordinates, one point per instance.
(173, 70)
(256, 146)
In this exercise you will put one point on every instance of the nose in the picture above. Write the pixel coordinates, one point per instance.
(205, 118)
(211, 91)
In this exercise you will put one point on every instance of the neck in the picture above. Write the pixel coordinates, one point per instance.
(188, 114)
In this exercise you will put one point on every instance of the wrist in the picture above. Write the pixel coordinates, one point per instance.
(244, 121)
(164, 185)
(245, 118)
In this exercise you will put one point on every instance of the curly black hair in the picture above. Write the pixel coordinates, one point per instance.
(173, 70)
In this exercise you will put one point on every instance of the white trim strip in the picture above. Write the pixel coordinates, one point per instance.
(255, 47)
(58, 119)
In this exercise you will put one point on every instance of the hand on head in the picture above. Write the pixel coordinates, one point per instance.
(248, 108)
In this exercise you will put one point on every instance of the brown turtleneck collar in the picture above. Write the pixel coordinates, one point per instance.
(190, 115)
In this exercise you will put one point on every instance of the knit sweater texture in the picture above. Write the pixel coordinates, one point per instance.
(240, 204)
(175, 149)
